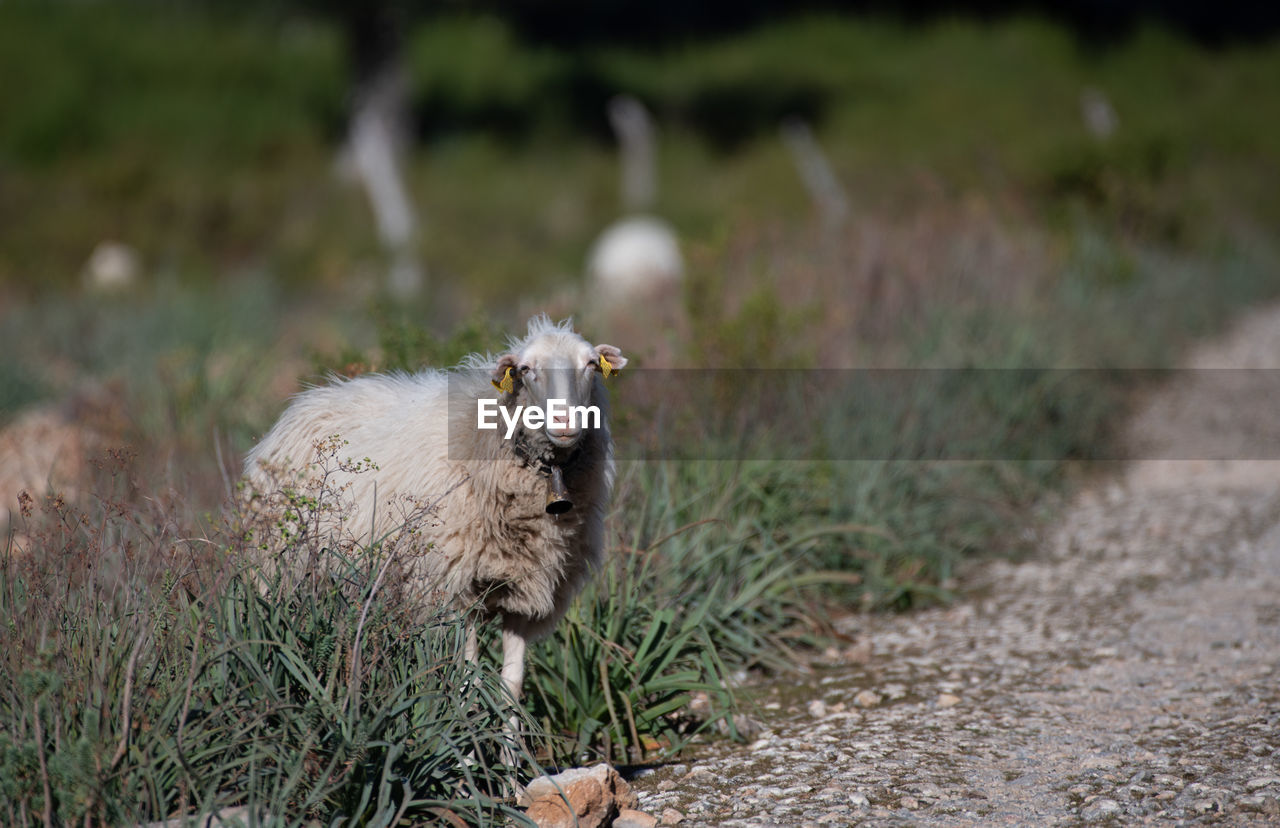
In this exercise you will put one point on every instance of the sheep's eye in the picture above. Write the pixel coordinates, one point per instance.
(524, 369)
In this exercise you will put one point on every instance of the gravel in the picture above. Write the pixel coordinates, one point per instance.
(1124, 674)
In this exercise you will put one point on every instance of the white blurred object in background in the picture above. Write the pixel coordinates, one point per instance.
(373, 154)
(815, 171)
(1099, 116)
(112, 266)
(638, 255)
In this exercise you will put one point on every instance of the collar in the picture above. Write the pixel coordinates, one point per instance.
(543, 458)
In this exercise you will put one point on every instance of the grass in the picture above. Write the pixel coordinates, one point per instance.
(156, 675)
(989, 231)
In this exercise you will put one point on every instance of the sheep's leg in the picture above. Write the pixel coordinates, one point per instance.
(514, 645)
(471, 652)
(471, 649)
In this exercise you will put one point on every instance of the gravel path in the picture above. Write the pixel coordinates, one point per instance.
(1126, 674)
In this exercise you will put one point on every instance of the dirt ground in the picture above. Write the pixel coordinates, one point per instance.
(1127, 673)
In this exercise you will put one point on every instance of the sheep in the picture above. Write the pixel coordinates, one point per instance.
(636, 258)
(515, 526)
(638, 255)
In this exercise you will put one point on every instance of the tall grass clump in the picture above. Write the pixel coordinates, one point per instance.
(702, 584)
(146, 675)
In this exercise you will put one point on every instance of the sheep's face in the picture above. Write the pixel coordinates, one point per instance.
(564, 367)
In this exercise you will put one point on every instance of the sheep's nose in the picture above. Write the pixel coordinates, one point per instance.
(558, 427)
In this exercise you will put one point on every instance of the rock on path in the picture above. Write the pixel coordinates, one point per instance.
(1128, 674)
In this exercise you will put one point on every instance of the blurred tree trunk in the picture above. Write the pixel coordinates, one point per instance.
(379, 133)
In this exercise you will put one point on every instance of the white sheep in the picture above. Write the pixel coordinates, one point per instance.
(636, 259)
(638, 256)
(514, 526)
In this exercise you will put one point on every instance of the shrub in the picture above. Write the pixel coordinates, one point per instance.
(151, 676)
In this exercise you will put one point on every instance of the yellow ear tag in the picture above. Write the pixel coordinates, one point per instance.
(605, 367)
(507, 383)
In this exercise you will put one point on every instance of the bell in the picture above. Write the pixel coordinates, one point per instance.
(558, 501)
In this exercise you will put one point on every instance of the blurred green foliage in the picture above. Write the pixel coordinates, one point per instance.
(180, 133)
(206, 140)
(407, 345)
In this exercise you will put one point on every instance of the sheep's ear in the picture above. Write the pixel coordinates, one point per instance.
(610, 359)
(504, 376)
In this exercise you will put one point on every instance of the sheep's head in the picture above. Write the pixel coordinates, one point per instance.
(557, 365)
